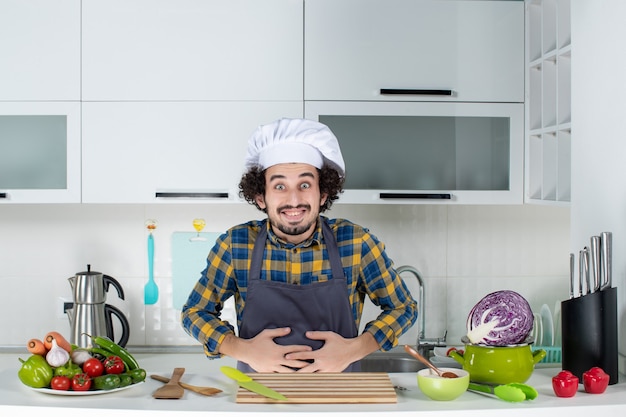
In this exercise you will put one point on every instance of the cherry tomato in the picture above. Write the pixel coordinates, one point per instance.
(93, 367)
(595, 380)
(565, 384)
(81, 382)
(61, 383)
(114, 365)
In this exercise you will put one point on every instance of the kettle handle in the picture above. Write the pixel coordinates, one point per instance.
(457, 356)
(109, 280)
(111, 311)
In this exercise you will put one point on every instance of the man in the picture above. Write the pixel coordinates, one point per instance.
(299, 279)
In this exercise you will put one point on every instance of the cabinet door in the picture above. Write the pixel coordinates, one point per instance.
(39, 50)
(192, 50)
(39, 152)
(153, 152)
(428, 153)
(473, 50)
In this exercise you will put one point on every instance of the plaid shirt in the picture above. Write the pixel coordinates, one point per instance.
(367, 268)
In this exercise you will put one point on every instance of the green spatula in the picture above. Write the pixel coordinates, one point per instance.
(513, 392)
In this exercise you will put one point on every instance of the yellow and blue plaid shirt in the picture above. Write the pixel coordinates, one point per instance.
(367, 268)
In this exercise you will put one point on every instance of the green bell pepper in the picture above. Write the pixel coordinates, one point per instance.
(35, 372)
(69, 370)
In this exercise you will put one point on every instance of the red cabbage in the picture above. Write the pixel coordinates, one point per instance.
(501, 318)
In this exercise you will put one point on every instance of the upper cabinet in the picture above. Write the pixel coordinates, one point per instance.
(192, 50)
(414, 50)
(40, 152)
(40, 50)
(548, 102)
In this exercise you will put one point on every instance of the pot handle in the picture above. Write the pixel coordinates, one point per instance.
(454, 354)
(111, 311)
(538, 355)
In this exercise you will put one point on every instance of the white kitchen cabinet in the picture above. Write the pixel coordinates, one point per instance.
(438, 50)
(428, 153)
(39, 50)
(164, 152)
(548, 102)
(39, 152)
(192, 50)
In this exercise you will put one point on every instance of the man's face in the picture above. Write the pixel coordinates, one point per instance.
(292, 200)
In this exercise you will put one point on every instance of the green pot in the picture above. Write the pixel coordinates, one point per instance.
(498, 365)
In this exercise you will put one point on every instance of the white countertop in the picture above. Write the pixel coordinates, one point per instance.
(19, 400)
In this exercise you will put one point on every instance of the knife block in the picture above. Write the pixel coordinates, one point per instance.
(589, 333)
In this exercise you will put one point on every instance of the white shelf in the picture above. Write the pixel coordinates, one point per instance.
(548, 102)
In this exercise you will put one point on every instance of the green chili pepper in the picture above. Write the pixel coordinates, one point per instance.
(35, 372)
(107, 382)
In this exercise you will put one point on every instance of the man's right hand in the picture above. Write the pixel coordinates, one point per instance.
(262, 354)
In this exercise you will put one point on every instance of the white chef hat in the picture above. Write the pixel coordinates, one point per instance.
(294, 141)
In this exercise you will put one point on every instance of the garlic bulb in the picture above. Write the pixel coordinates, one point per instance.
(57, 356)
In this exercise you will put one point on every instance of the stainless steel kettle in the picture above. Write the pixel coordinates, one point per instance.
(89, 315)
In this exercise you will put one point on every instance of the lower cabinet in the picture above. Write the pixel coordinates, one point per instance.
(165, 152)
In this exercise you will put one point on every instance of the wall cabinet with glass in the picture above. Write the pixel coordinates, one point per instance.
(414, 50)
(39, 152)
(428, 153)
(548, 102)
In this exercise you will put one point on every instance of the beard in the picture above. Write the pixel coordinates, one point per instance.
(292, 229)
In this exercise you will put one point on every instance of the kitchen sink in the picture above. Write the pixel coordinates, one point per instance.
(392, 361)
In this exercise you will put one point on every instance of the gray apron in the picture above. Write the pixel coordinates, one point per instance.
(318, 306)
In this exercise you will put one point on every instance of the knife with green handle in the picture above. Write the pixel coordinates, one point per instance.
(512, 392)
(250, 384)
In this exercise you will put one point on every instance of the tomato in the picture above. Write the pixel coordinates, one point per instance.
(93, 367)
(114, 365)
(61, 383)
(81, 382)
(595, 380)
(565, 384)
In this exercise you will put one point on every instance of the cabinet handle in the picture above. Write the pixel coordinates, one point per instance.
(4, 195)
(435, 196)
(404, 91)
(190, 195)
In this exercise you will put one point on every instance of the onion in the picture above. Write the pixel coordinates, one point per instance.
(501, 318)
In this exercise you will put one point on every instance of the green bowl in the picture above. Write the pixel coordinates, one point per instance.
(442, 389)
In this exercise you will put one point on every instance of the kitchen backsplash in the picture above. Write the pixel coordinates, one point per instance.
(462, 252)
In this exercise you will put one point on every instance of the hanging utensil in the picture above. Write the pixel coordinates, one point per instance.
(151, 290)
(426, 362)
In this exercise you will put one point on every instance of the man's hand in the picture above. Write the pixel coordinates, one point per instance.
(262, 354)
(336, 354)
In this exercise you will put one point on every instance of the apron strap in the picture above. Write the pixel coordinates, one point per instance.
(331, 247)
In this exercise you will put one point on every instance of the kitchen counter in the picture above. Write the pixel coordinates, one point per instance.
(19, 400)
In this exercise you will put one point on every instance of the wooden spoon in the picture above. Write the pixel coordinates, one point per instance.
(208, 391)
(171, 390)
(426, 362)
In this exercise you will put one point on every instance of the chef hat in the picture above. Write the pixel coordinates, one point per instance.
(294, 141)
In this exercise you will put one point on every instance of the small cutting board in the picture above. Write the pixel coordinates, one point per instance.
(188, 262)
(324, 388)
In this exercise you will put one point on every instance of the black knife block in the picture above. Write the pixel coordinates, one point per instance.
(589, 333)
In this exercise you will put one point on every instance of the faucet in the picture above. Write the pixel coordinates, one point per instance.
(423, 345)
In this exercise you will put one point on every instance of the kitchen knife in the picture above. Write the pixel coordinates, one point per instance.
(581, 272)
(606, 250)
(586, 269)
(245, 381)
(594, 253)
(571, 275)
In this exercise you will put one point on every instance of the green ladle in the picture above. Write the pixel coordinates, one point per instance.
(514, 392)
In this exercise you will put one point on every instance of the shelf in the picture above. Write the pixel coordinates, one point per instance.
(548, 102)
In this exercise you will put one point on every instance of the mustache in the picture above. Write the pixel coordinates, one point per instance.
(299, 206)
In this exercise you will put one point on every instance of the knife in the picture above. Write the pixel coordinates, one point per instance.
(595, 262)
(571, 275)
(606, 249)
(586, 269)
(245, 381)
(581, 272)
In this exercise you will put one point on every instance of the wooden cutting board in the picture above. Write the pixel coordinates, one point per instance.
(324, 388)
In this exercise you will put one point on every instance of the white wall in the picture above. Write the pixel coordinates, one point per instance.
(463, 252)
(599, 141)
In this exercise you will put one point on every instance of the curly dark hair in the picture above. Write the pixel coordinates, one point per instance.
(252, 184)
